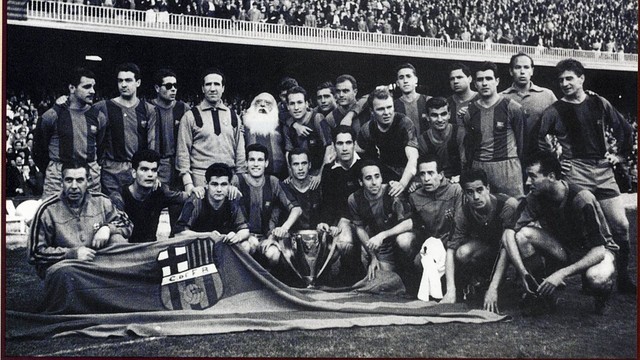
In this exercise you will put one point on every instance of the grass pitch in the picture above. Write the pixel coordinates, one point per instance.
(573, 332)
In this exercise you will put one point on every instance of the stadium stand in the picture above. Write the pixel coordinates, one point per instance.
(604, 26)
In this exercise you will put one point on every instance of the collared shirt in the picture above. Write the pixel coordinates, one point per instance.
(434, 211)
(58, 229)
(534, 102)
(199, 147)
(337, 184)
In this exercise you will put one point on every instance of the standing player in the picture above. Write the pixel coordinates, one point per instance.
(580, 121)
(209, 133)
(144, 200)
(326, 98)
(460, 82)
(412, 104)
(350, 111)
(170, 112)
(534, 100)
(65, 134)
(382, 222)
(131, 126)
(493, 134)
(475, 246)
(391, 137)
(443, 138)
(573, 235)
(317, 143)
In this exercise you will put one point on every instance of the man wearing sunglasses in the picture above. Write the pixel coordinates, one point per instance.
(170, 112)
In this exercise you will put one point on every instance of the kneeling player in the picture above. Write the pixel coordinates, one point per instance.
(215, 215)
(480, 225)
(382, 222)
(573, 235)
(262, 200)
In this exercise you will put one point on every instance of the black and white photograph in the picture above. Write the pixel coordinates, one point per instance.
(320, 178)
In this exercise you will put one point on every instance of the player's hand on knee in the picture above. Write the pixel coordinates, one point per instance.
(491, 301)
(101, 237)
(84, 253)
(373, 267)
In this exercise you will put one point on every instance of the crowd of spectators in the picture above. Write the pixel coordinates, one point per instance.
(25, 179)
(606, 26)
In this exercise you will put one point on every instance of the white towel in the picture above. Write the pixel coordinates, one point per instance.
(433, 264)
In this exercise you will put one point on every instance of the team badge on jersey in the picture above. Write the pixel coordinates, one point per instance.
(500, 125)
(190, 278)
(93, 129)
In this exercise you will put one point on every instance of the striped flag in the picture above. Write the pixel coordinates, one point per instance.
(190, 278)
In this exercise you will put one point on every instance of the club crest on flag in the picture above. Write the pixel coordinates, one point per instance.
(190, 278)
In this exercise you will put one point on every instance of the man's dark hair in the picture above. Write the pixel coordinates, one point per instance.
(516, 56)
(215, 71)
(77, 73)
(486, 66)
(218, 169)
(548, 162)
(460, 66)
(161, 74)
(259, 148)
(131, 67)
(474, 174)
(343, 129)
(406, 66)
(147, 155)
(430, 157)
(75, 164)
(436, 103)
(368, 162)
(297, 90)
(327, 85)
(570, 65)
(286, 83)
(349, 78)
(296, 151)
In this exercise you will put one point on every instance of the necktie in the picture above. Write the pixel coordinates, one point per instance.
(216, 121)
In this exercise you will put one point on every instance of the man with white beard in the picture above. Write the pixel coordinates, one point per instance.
(263, 127)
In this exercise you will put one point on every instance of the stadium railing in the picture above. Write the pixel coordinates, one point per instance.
(148, 23)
